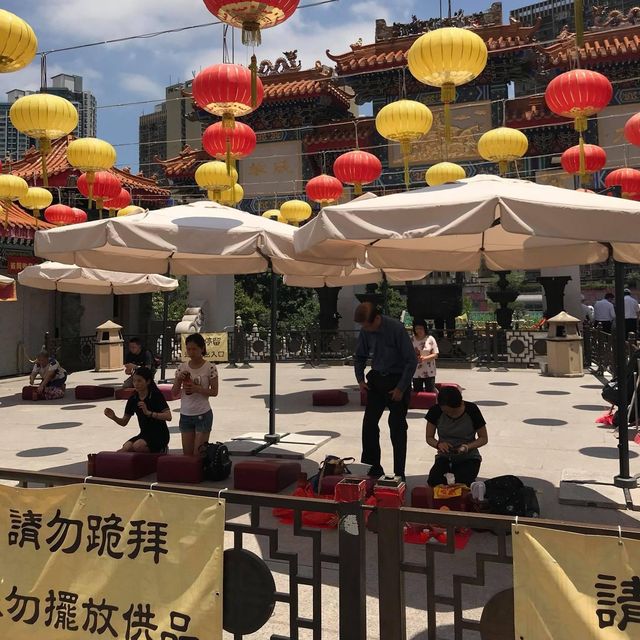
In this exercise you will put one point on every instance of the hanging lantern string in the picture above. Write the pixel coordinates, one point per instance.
(324, 162)
(406, 152)
(43, 72)
(225, 48)
(355, 123)
(579, 20)
(254, 80)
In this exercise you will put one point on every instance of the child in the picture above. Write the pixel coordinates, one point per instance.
(152, 411)
(54, 377)
(198, 380)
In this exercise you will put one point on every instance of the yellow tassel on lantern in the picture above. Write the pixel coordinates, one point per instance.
(254, 81)
(229, 158)
(583, 164)
(406, 152)
(447, 95)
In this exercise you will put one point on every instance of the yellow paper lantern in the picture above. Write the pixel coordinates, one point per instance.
(404, 121)
(90, 155)
(214, 178)
(131, 210)
(502, 145)
(444, 172)
(44, 117)
(296, 211)
(274, 214)
(232, 197)
(12, 188)
(447, 58)
(36, 199)
(18, 42)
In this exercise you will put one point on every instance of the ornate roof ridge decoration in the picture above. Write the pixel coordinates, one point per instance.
(492, 16)
(287, 63)
(187, 160)
(29, 168)
(599, 44)
(603, 19)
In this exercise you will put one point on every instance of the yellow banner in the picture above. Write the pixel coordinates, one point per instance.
(90, 561)
(217, 346)
(574, 586)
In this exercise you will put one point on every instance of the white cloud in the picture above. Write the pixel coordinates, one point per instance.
(141, 86)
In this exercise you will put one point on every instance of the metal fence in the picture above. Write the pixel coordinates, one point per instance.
(429, 591)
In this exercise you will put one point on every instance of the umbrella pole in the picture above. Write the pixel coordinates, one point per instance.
(272, 437)
(623, 479)
(165, 319)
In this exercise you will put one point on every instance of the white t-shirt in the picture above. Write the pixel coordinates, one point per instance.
(630, 308)
(425, 347)
(197, 404)
(604, 311)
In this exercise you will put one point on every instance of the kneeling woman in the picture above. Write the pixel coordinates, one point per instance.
(152, 411)
(461, 431)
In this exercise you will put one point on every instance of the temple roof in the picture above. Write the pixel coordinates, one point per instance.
(184, 164)
(29, 168)
(21, 223)
(392, 53)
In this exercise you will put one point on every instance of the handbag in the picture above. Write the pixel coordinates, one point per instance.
(216, 463)
(331, 466)
(610, 392)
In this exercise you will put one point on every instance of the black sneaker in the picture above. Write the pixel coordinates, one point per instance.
(376, 471)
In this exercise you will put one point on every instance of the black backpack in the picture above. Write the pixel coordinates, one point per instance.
(216, 461)
(507, 496)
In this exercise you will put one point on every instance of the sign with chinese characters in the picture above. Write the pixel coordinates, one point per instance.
(16, 263)
(91, 561)
(217, 347)
(468, 123)
(569, 585)
(273, 168)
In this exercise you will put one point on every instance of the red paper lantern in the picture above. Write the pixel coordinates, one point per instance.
(357, 168)
(228, 91)
(595, 158)
(578, 94)
(251, 16)
(122, 200)
(59, 214)
(233, 144)
(105, 186)
(80, 215)
(324, 189)
(627, 179)
(632, 130)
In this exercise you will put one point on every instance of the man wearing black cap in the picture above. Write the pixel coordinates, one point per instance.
(630, 313)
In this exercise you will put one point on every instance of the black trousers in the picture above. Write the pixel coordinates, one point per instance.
(605, 325)
(465, 471)
(631, 326)
(424, 384)
(378, 399)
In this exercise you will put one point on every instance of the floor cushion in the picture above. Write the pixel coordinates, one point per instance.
(30, 393)
(330, 398)
(181, 469)
(124, 394)
(167, 392)
(93, 392)
(442, 385)
(125, 465)
(423, 400)
(265, 476)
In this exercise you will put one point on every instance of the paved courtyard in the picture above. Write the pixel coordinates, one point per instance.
(538, 426)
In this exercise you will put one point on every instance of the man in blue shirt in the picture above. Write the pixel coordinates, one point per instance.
(388, 384)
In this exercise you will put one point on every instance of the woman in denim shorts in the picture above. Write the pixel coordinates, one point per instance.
(197, 380)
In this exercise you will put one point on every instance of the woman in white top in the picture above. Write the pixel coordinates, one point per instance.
(198, 380)
(424, 379)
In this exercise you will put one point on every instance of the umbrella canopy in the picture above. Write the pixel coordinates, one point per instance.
(511, 224)
(54, 276)
(201, 238)
(361, 274)
(5, 281)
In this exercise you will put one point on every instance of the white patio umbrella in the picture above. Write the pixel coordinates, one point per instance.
(55, 276)
(508, 224)
(361, 274)
(6, 281)
(201, 238)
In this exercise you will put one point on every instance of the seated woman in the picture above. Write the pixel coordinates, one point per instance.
(54, 377)
(152, 411)
(461, 431)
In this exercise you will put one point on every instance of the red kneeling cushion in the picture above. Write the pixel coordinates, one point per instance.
(265, 476)
(125, 465)
(330, 398)
(93, 392)
(167, 391)
(422, 497)
(423, 400)
(442, 385)
(30, 393)
(180, 469)
(124, 394)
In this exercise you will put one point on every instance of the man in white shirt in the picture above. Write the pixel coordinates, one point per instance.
(630, 313)
(604, 312)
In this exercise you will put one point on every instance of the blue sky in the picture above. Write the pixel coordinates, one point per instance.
(139, 70)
